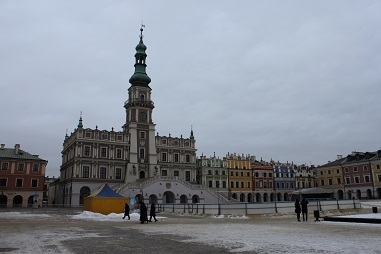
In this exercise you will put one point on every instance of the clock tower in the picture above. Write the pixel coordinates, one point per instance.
(139, 127)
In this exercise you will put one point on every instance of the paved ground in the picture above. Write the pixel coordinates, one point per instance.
(55, 231)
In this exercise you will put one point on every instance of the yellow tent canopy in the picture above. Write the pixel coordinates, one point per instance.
(104, 200)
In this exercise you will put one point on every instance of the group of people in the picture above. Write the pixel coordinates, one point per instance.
(143, 212)
(301, 208)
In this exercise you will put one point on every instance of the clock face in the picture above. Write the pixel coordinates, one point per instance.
(142, 116)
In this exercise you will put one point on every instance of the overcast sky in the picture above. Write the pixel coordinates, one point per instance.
(285, 80)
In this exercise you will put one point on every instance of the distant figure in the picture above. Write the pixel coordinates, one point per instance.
(152, 212)
(297, 209)
(304, 204)
(143, 212)
(126, 211)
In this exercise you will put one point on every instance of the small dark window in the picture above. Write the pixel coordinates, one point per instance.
(19, 182)
(34, 183)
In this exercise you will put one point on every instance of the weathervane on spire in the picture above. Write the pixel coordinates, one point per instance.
(141, 30)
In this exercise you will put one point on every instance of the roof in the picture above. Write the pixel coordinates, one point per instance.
(105, 191)
(333, 163)
(9, 153)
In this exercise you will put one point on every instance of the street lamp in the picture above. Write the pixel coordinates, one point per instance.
(218, 197)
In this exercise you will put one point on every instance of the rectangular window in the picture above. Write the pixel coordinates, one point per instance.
(347, 180)
(163, 156)
(291, 185)
(248, 185)
(270, 184)
(85, 172)
(321, 182)
(210, 184)
(242, 185)
(3, 182)
(378, 166)
(346, 170)
(118, 173)
(231, 184)
(118, 153)
(187, 158)
(187, 176)
(141, 153)
(223, 184)
(379, 178)
(270, 175)
(216, 172)
(223, 172)
(365, 168)
(102, 172)
(241, 173)
(330, 182)
(357, 179)
(20, 167)
(237, 185)
(88, 134)
(142, 134)
(19, 182)
(176, 157)
(176, 173)
(187, 144)
(35, 167)
(163, 141)
(338, 180)
(367, 178)
(103, 152)
(34, 183)
(120, 137)
(86, 152)
(4, 166)
(231, 173)
(338, 171)
(264, 184)
(209, 172)
(355, 169)
(164, 172)
(217, 184)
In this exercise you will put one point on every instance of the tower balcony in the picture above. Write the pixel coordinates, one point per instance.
(139, 103)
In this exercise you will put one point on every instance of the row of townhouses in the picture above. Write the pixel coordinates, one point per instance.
(139, 163)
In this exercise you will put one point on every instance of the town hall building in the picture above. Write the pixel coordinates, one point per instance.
(135, 161)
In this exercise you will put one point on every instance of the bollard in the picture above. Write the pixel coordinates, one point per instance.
(316, 215)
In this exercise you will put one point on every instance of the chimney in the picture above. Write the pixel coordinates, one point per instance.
(17, 147)
(339, 157)
(2, 146)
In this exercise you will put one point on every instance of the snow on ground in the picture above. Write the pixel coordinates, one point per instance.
(237, 233)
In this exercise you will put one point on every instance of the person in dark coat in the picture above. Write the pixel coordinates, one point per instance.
(304, 204)
(152, 212)
(297, 209)
(143, 212)
(126, 211)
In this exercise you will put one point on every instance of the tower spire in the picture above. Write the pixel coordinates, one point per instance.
(140, 77)
(80, 125)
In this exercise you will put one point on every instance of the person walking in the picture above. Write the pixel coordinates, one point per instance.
(143, 212)
(152, 212)
(297, 209)
(126, 211)
(304, 204)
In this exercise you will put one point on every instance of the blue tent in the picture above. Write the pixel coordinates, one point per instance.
(106, 191)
